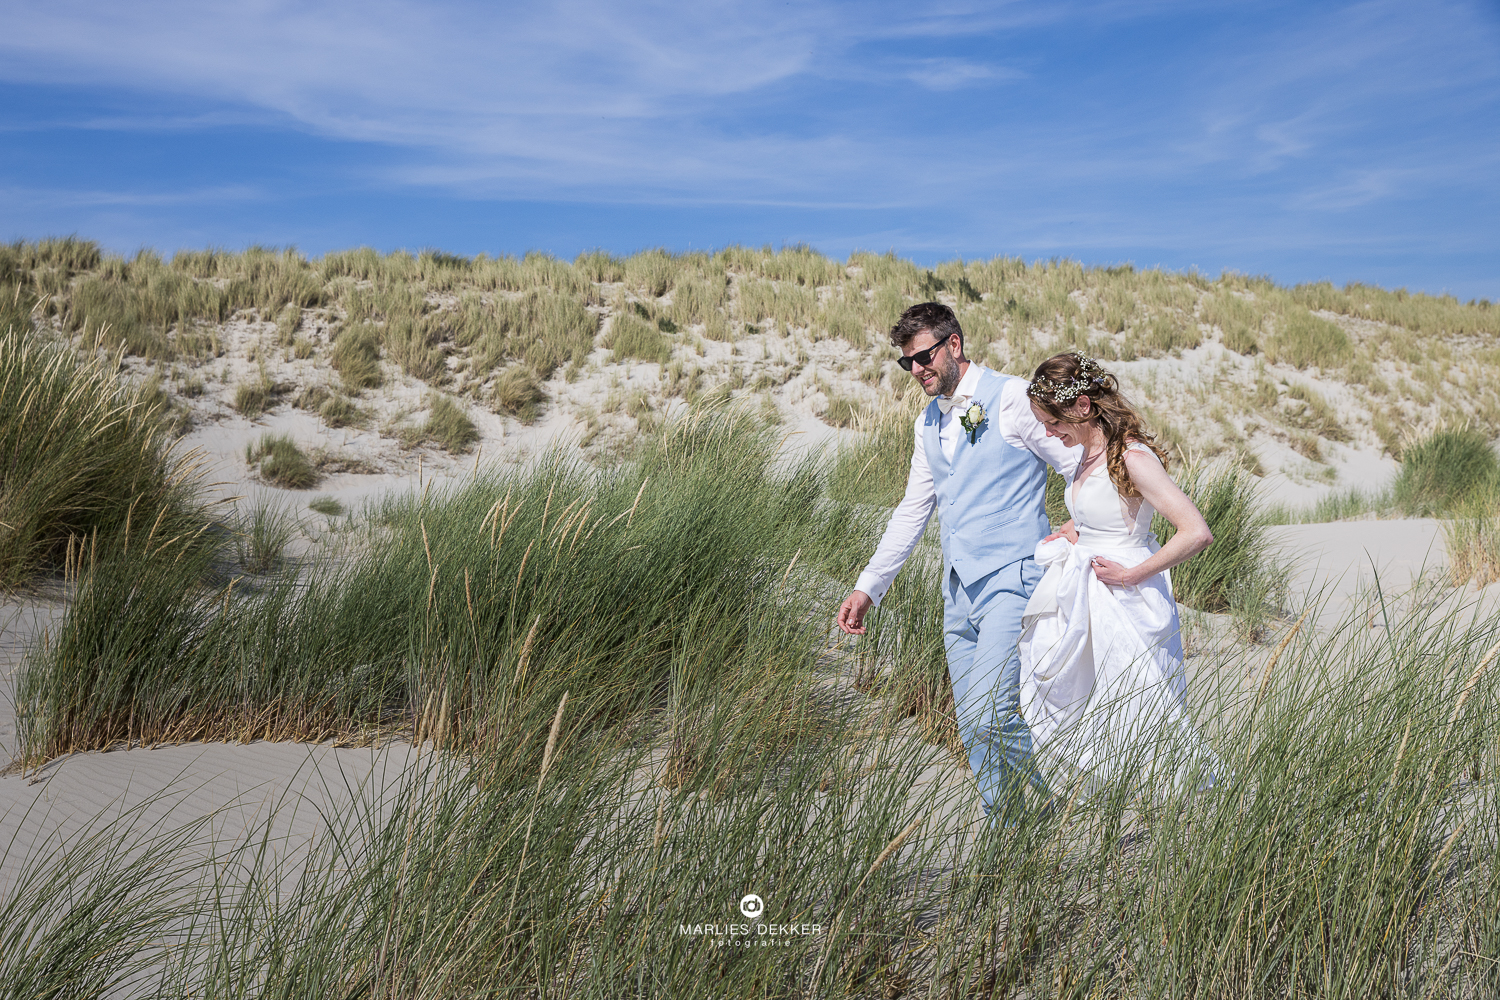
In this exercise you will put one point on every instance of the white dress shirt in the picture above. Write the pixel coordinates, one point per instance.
(1017, 425)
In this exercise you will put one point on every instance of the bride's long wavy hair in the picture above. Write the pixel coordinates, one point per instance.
(1058, 383)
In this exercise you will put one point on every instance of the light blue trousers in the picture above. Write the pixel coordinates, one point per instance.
(982, 625)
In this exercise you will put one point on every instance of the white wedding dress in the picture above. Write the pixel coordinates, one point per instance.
(1102, 684)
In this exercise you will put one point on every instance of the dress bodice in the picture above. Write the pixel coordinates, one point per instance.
(1104, 519)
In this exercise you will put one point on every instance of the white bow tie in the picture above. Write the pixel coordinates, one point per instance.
(947, 403)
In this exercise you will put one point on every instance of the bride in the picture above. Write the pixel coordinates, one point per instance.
(1102, 686)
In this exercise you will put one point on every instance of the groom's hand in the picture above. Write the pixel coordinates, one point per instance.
(1066, 531)
(852, 612)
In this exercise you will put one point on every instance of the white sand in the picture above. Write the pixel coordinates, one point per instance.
(1347, 558)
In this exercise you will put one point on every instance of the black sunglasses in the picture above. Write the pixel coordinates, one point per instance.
(923, 358)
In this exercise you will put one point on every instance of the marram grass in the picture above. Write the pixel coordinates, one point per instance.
(84, 454)
(1350, 849)
(630, 677)
(1444, 470)
(472, 599)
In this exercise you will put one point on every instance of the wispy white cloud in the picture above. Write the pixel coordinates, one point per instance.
(577, 93)
(952, 74)
(1355, 189)
(531, 99)
(389, 68)
(1339, 76)
(39, 197)
(217, 118)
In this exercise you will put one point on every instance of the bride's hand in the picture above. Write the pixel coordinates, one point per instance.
(1110, 573)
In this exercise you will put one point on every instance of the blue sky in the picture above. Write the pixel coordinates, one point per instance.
(1350, 141)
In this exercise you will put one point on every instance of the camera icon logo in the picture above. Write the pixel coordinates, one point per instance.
(752, 906)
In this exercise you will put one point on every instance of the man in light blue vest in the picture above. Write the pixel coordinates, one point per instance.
(981, 459)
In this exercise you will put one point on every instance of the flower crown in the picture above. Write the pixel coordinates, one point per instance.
(1090, 374)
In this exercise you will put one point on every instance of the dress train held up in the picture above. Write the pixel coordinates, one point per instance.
(1102, 684)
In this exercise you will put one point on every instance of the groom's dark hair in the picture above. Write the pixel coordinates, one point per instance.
(934, 317)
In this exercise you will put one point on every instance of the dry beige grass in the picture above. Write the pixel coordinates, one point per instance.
(1234, 366)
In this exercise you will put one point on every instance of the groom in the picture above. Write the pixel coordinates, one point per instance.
(981, 459)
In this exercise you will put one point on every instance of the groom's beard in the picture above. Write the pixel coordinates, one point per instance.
(947, 379)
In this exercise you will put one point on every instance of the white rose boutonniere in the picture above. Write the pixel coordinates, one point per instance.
(971, 419)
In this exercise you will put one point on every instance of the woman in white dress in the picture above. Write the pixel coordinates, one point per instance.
(1102, 685)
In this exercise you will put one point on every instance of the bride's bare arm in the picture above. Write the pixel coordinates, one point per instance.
(1192, 534)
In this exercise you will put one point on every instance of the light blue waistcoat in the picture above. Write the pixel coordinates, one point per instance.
(991, 500)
